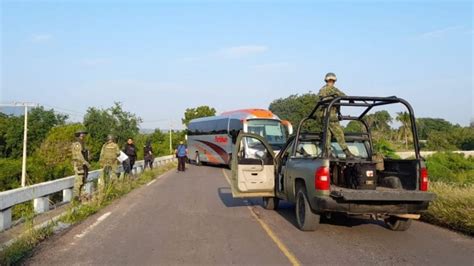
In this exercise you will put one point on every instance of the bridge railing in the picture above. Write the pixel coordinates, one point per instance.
(40, 193)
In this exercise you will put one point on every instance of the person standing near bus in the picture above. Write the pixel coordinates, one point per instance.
(181, 153)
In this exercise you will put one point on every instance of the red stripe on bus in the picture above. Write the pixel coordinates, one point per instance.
(219, 150)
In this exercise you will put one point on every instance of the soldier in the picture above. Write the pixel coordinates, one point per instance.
(108, 161)
(80, 157)
(329, 90)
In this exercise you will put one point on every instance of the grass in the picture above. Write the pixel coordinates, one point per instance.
(24, 245)
(453, 207)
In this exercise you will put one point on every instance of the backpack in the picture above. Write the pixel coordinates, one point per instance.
(181, 151)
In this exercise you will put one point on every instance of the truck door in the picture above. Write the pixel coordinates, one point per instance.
(253, 168)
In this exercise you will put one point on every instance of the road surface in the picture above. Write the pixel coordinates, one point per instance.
(191, 218)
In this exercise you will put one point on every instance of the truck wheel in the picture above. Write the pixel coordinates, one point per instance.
(398, 224)
(197, 161)
(270, 203)
(307, 220)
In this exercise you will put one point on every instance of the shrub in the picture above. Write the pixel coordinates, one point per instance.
(451, 168)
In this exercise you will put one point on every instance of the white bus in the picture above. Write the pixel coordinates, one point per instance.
(212, 139)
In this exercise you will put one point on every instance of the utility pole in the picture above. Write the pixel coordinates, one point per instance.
(171, 139)
(25, 135)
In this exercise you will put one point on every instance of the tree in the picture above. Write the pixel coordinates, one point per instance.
(354, 127)
(296, 107)
(427, 125)
(40, 121)
(404, 131)
(114, 120)
(200, 111)
(379, 121)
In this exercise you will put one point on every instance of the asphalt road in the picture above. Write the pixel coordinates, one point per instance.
(191, 218)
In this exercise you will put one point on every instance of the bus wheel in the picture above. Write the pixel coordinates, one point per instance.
(197, 161)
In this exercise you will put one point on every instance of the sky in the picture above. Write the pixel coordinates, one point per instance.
(159, 58)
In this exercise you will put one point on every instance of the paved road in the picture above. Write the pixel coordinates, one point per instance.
(191, 218)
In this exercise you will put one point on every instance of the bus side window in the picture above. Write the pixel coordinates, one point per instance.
(235, 126)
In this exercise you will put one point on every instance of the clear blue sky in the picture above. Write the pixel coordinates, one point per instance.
(160, 58)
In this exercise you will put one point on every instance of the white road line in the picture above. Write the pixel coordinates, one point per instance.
(151, 182)
(99, 220)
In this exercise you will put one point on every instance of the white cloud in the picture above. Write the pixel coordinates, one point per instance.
(94, 61)
(439, 33)
(241, 51)
(41, 38)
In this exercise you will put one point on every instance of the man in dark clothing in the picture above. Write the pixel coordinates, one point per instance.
(181, 152)
(148, 155)
(131, 151)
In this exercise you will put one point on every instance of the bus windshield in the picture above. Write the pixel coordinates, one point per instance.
(272, 130)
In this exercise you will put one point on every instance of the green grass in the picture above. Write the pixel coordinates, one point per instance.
(13, 254)
(453, 207)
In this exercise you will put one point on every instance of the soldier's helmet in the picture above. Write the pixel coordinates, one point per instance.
(330, 76)
(79, 132)
(110, 137)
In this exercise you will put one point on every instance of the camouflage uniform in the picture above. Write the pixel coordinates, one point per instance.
(334, 126)
(81, 166)
(108, 161)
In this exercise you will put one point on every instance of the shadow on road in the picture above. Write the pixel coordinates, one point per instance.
(225, 194)
(287, 211)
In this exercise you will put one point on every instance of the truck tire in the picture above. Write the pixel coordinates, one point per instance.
(197, 161)
(270, 203)
(398, 224)
(306, 219)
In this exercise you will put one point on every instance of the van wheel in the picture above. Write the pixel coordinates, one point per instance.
(398, 224)
(306, 218)
(270, 203)
(197, 161)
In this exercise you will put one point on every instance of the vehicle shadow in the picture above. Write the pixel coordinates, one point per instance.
(225, 194)
(287, 211)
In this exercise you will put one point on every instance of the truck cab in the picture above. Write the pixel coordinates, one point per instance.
(321, 180)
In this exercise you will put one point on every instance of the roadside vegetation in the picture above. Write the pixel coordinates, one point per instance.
(452, 179)
(22, 247)
(50, 137)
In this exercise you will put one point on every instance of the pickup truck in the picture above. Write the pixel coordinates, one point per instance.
(320, 180)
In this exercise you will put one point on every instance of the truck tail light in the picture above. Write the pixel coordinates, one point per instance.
(321, 178)
(424, 179)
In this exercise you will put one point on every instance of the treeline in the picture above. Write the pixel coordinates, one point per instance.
(50, 137)
(436, 134)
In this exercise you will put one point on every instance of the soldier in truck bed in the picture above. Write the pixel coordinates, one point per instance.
(329, 90)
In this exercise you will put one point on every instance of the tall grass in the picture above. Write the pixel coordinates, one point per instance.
(453, 208)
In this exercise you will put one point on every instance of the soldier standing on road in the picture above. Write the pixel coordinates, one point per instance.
(80, 157)
(108, 161)
(327, 91)
(181, 152)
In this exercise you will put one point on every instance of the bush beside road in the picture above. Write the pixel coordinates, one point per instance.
(452, 179)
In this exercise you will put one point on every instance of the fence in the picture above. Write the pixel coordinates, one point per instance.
(40, 193)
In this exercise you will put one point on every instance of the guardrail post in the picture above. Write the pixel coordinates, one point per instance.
(5, 219)
(41, 204)
(67, 195)
(89, 188)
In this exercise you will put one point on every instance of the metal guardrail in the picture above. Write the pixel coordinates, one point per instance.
(39, 193)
